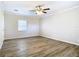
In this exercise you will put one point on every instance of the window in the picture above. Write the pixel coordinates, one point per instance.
(22, 25)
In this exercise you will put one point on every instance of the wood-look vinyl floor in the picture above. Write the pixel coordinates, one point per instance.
(38, 47)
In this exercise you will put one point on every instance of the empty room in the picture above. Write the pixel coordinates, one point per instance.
(39, 28)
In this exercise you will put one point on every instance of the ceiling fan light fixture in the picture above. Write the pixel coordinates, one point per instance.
(39, 13)
(39, 10)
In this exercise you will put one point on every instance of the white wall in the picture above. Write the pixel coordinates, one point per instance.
(11, 26)
(63, 26)
(1, 27)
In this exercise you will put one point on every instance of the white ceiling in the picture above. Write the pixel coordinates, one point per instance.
(25, 6)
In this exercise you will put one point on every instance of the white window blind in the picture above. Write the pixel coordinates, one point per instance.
(22, 25)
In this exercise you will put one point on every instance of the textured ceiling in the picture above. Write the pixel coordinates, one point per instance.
(23, 7)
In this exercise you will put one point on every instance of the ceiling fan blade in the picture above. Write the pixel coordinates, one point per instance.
(40, 5)
(47, 9)
(44, 12)
(32, 10)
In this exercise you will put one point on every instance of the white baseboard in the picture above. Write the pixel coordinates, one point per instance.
(1, 43)
(19, 37)
(55, 38)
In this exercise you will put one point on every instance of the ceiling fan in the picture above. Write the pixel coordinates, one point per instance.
(40, 10)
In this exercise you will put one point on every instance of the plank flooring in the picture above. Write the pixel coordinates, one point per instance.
(38, 47)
